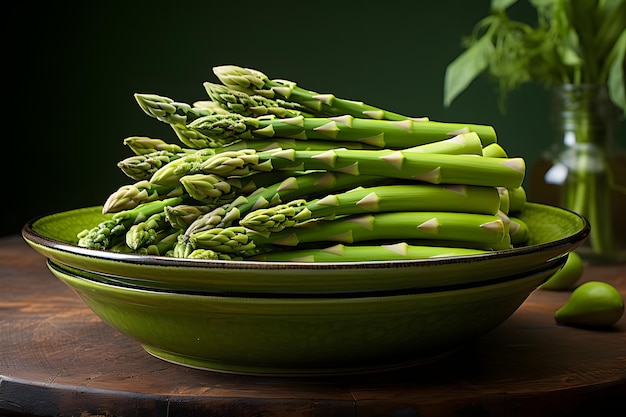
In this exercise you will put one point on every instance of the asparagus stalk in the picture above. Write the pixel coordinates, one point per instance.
(505, 199)
(254, 82)
(481, 228)
(234, 239)
(517, 197)
(467, 143)
(130, 196)
(512, 200)
(149, 155)
(494, 150)
(244, 104)
(194, 139)
(206, 189)
(300, 145)
(147, 232)
(201, 186)
(375, 199)
(103, 235)
(364, 253)
(309, 184)
(144, 164)
(182, 215)
(519, 231)
(378, 133)
(430, 168)
(462, 144)
(163, 246)
(211, 255)
(169, 111)
(143, 145)
(170, 174)
(209, 105)
(208, 186)
(142, 167)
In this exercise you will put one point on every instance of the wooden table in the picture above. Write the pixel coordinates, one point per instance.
(58, 359)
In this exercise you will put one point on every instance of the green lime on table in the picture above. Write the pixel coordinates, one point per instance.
(592, 304)
(567, 276)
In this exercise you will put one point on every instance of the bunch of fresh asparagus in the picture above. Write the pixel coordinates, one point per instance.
(267, 170)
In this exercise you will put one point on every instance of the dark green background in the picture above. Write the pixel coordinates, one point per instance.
(72, 72)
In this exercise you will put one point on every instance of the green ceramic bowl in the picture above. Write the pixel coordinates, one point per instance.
(554, 233)
(289, 335)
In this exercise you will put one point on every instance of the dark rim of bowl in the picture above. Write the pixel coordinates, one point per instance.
(101, 279)
(30, 234)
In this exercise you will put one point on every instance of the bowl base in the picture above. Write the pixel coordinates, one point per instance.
(252, 370)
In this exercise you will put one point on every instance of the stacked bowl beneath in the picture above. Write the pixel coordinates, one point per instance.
(298, 318)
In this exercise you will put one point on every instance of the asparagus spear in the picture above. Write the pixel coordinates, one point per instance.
(228, 240)
(384, 198)
(147, 232)
(431, 168)
(163, 245)
(494, 150)
(462, 144)
(182, 215)
(295, 186)
(130, 196)
(142, 145)
(284, 143)
(103, 235)
(467, 143)
(311, 184)
(170, 174)
(380, 133)
(254, 82)
(505, 199)
(481, 228)
(206, 189)
(169, 111)
(212, 255)
(360, 253)
(512, 199)
(208, 186)
(519, 231)
(517, 197)
(142, 167)
(252, 105)
(194, 139)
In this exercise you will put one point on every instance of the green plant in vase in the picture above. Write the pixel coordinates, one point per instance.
(577, 49)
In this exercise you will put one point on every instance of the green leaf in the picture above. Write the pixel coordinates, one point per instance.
(500, 5)
(545, 4)
(466, 67)
(615, 82)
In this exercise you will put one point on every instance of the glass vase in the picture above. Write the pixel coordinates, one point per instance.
(585, 170)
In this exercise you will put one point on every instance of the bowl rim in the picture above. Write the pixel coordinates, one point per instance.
(86, 276)
(119, 281)
(32, 236)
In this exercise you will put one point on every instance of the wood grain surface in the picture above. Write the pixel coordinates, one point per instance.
(58, 359)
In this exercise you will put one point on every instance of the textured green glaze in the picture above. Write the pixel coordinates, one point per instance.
(283, 335)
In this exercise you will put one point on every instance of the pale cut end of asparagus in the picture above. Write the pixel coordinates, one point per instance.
(495, 150)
